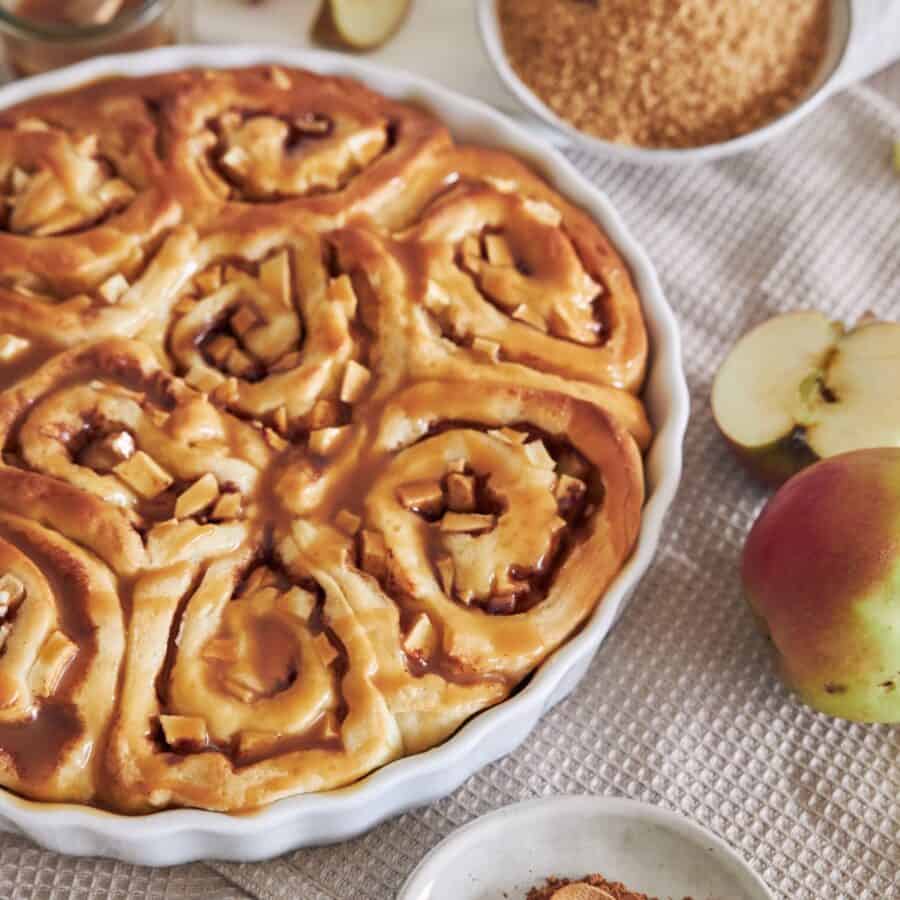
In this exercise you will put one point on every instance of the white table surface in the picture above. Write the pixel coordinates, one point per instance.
(429, 42)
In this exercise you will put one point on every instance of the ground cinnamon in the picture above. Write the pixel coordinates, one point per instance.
(614, 890)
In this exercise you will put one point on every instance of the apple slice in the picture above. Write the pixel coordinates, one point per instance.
(358, 24)
(800, 388)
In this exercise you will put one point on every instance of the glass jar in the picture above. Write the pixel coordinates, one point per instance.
(39, 36)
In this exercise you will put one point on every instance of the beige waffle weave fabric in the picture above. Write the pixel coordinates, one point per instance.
(681, 707)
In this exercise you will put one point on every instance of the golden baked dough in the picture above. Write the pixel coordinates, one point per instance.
(326, 146)
(84, 191)
(319, 433)
(62, 637)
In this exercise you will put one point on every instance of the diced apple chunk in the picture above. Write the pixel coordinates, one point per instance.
(201, 494)
(52, 661)
(526, 314)
(143, 475)
(204, 379)
(340, 290)
(113, 289)
(426, 497)
(447, 571)
(228, 506)
(183, 732)
(373, 553)
(538, 456)
(347, 522)
(209, 280)
(323, 440)
(543, 212)
(466, 523)
(275, 277)
(298, 602)
(508, 435)
(489, 349)
(243, 320)
(461, 495)
(356, 379)
(11, 346)
(104, 454)
(498, 252)
(421, 638)
(236, 160)
(12, 590)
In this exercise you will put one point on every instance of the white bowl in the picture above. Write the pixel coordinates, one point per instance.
(177, 836)
(843, 27)
(651, 850)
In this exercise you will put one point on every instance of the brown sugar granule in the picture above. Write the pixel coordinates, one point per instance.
(666, 73)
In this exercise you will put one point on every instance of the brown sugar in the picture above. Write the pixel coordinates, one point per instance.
(666, 73)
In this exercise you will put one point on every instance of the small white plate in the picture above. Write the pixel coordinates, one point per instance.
(502, 855)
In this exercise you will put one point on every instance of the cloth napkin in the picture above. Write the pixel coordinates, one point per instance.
(681, 707)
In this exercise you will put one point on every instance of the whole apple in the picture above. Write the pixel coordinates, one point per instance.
(821, 569)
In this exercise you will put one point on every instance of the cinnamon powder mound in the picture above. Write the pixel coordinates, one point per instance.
(666, 73)
(615, 889)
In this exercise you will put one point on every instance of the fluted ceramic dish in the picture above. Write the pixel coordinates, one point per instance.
(177, 836)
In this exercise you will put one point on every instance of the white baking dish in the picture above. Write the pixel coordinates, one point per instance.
(177, 836)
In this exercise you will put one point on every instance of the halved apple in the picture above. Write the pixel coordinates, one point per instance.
(358, 24)
(799, 388)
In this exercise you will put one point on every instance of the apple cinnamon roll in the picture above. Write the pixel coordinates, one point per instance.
(256, 681)
(324, 146)
(84, 192)
(108, 449)
(61, 645)
(271, 327)
(506, 269)
(494, 519)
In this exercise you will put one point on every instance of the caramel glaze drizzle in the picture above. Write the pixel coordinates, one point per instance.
(35, 746)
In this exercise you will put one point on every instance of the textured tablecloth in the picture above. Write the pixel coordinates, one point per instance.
(681, 707)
